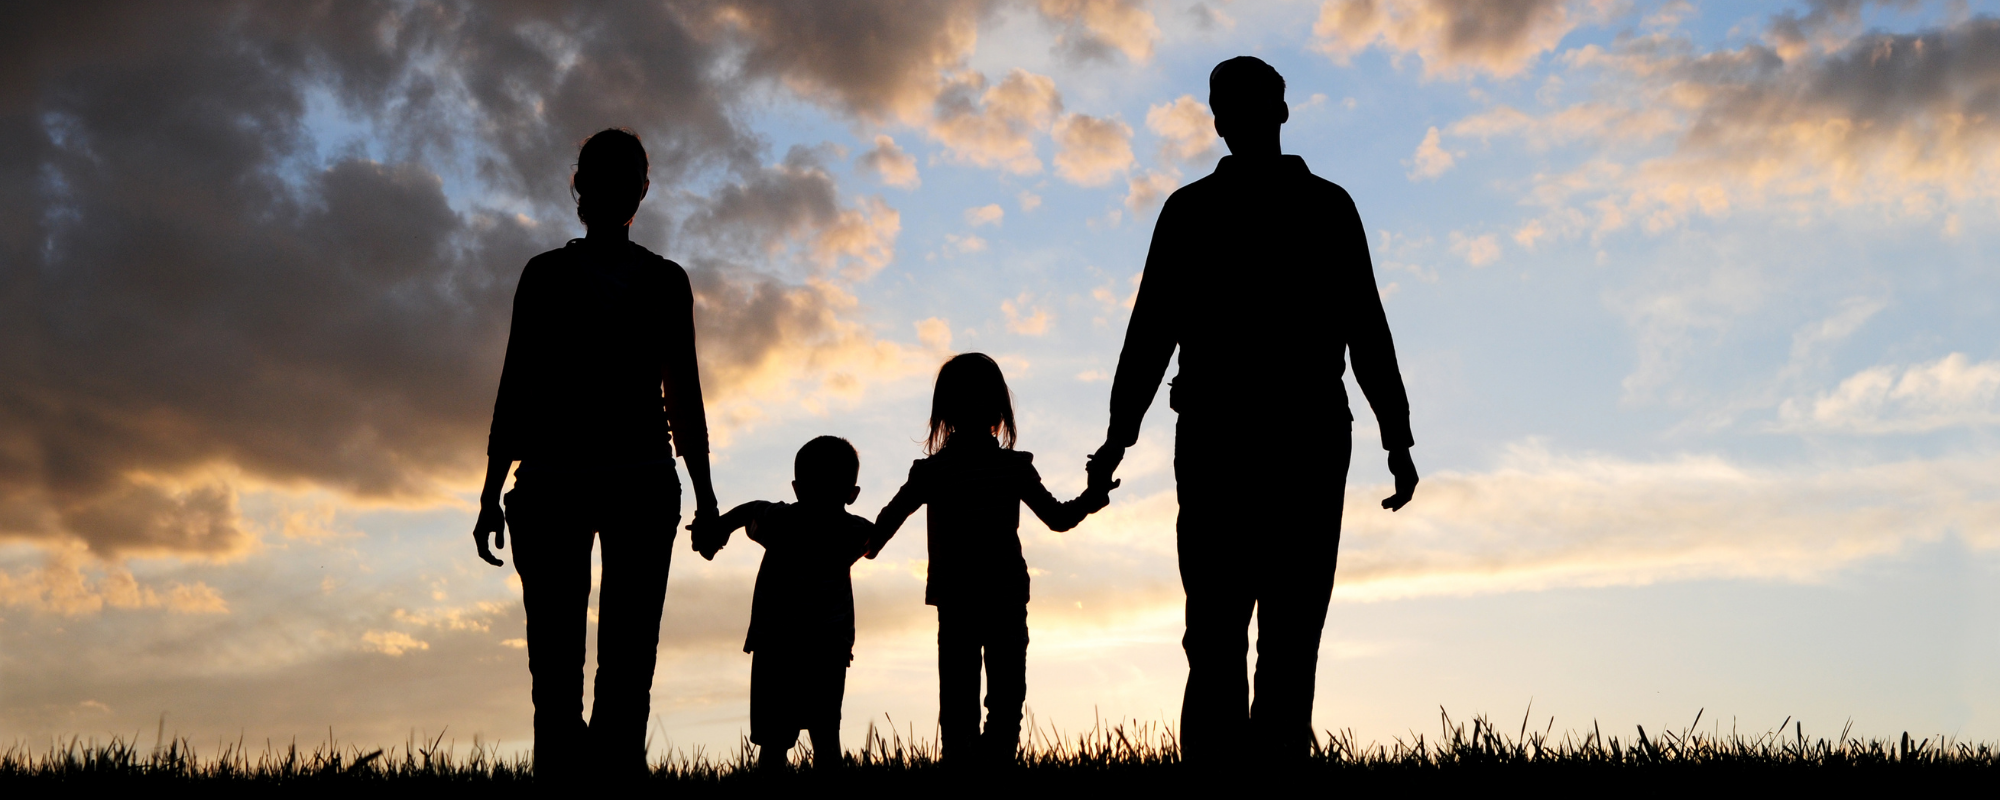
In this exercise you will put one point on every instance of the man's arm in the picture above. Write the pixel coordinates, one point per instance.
(1150, 338)
(1373, 351)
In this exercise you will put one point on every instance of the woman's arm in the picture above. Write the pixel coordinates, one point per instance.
(681, 374)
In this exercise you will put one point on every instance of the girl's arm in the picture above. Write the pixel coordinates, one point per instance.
(900, 507)
(1057, 515)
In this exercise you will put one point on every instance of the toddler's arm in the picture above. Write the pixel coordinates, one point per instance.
(710, 537)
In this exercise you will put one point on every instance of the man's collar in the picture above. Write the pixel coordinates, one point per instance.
(1239, 165)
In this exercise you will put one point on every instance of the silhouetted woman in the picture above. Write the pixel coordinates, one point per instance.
(975, 482)
(598, 391)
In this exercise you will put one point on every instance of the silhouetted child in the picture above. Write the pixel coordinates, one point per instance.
(975, 482)
(802, 615)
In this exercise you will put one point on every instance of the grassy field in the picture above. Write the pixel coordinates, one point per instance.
(1473, 756)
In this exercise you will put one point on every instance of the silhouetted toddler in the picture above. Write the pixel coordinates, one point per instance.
(974, 482)
(802, 616)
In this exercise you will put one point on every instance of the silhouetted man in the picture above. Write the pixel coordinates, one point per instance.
(1260, 274)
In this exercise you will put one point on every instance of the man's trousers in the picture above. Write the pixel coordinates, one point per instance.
(1259, 531)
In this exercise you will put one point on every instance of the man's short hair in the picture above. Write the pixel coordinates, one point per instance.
(1244, 83)
(827, 462)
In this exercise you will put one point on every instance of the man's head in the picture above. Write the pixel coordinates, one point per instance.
(1248, 98)
(610, 178)
(826, 470)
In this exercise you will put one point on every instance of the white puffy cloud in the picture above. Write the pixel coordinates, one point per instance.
(1820, 116)
(1149, 189)
(1092, 150)
(993, 126)
(1430, 160)
(1094, 28)
(1950, 392)
(1451, 37)
(1543, 520)
(1023, 317)
(989, 214)
(1186, 129)
(891, 164)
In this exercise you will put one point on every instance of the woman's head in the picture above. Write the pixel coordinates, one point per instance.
(972, 396)
(610, 178)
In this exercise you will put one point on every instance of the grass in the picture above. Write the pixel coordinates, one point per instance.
(1135, 756)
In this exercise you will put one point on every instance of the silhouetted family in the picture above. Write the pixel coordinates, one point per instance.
(1260, 276)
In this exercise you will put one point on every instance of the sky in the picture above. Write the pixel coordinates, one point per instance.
(1700, 348)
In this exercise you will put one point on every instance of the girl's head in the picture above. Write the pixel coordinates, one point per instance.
(610, 178)
(970, 396)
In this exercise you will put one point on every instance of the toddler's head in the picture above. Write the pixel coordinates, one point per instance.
(971, 396)
(826, 470)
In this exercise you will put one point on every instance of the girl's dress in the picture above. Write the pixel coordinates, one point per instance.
(978, 579)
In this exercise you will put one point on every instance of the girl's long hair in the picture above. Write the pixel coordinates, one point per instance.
(971, 395)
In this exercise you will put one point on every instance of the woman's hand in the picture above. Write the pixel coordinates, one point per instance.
(494, 521)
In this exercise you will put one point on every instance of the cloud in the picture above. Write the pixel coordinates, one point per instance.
(991, 126)
(935, 333)
(890, 164)
(1030, 201)
(205, 297)
(1091, 29)
(1185, 127)
(392, 643)
(1950, 392)
(989, 214)
(1476, 250)
(63, 586)
(1023, 318)
(1452, 37)
(1430, 160)
(1544, 520)
(1818, 116)
(1092, 150)
(1149, 189)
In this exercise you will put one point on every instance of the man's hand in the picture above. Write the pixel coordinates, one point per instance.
(494, 521)
(1405, 471)
(1101, 465)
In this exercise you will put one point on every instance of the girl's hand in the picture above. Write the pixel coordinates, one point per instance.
(494, 521)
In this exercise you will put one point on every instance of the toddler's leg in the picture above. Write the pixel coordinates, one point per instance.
(773, 718)
(830, 688)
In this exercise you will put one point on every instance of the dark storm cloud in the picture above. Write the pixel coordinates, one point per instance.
(192, 292)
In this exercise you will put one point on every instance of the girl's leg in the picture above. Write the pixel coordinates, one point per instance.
(1006, 639)
(958, 681)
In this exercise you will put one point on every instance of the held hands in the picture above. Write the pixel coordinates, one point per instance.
(1405, 471)
(1100, 466)
(1097, 496)
(494, 521)
(705, 534)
